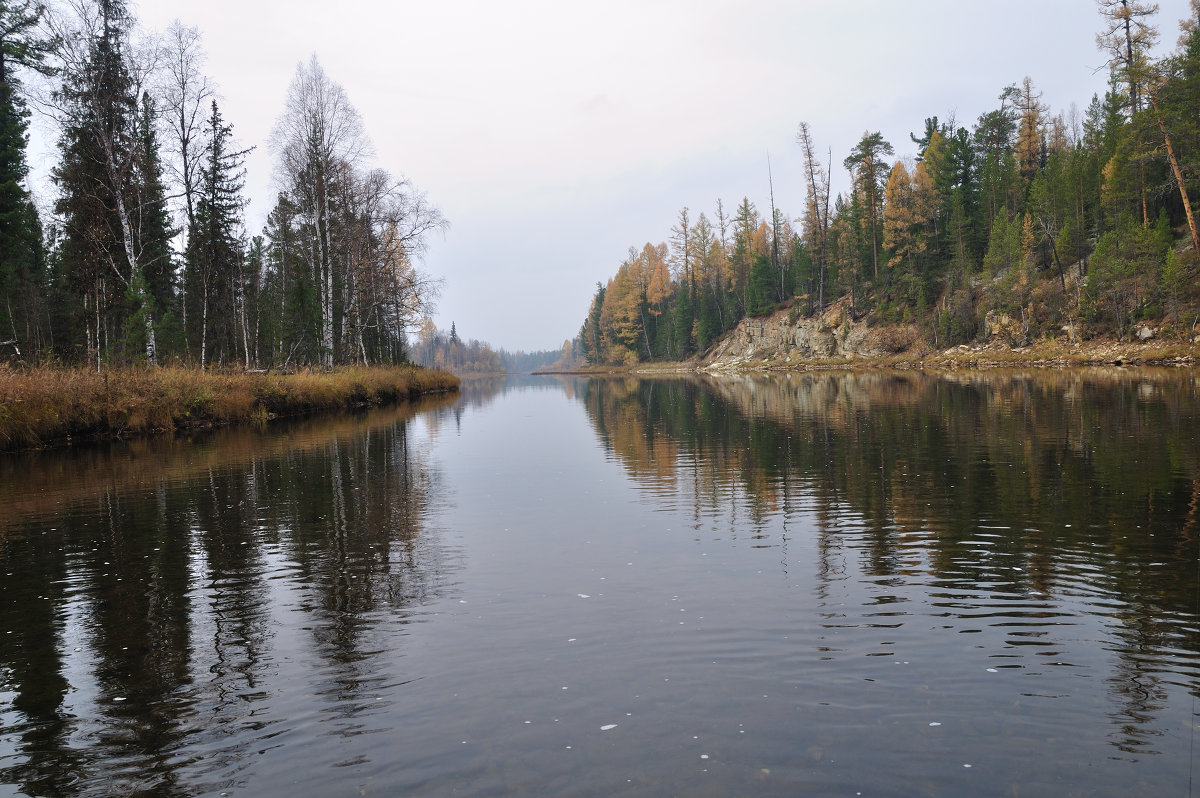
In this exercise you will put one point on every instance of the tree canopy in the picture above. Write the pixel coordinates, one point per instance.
(147, 258)
(1061, 222)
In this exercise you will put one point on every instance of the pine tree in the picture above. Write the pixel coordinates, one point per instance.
(1173, 96)
(994, 138)
(899, 216)
(866, 164)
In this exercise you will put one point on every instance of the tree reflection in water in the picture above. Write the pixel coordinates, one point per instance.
(254, 609)
(1026, 499)
(141, 596)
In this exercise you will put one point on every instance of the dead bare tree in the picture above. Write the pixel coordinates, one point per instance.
(817, 213)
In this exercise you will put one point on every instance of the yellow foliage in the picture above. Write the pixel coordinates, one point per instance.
(658, 282)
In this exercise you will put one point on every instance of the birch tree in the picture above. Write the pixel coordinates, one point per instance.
(317, 136)
(388, 224)
(186, 93)
(186, 97)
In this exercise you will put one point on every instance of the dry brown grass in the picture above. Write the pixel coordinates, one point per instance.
(41, 406)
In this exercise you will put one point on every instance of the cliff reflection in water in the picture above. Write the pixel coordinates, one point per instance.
(1038, 501)
(143, 596)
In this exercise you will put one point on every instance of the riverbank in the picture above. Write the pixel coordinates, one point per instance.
(1043, 354)
(785, 340)
(40, 407)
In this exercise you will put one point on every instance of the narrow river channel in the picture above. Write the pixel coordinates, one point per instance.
(872, 583)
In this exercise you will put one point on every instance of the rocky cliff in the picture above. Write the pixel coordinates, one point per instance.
(786, 338)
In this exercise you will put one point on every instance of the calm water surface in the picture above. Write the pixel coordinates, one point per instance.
(865, 584)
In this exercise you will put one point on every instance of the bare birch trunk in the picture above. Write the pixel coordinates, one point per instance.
(245, 334)
(135, 279)
(204, 331)
(327, 288)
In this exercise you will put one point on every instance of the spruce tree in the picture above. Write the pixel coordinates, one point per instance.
(22, 259)
(292, 317)
(101, 258)
(214, 249)
(684, 319)
(154, 228)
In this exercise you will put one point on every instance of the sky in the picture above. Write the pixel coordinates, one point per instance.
(555, 135)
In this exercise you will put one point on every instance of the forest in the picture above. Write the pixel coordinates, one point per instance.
(145, 257)
(1027, 225)
(448, 351)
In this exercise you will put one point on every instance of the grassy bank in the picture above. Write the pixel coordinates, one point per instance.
(43, 406)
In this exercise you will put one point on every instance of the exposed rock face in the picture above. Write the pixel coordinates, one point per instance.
(787, 340)
(786, 337)
(1004, 327)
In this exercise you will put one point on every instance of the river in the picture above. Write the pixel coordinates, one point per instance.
(870, 583)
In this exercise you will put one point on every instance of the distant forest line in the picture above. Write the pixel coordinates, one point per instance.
(1076, 224)
(448, 351)
(146, 257)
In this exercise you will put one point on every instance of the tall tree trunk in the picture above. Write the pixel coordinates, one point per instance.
(1133, 92)
(874, 236)
(1145, 198)
(136, 283)
(327, 285)
(245, 331)
(1187, 205)
(204, 328)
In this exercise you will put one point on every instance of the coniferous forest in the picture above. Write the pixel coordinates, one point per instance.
(448, 351)
(1057, 223)
(1028, 223)
(145, 256)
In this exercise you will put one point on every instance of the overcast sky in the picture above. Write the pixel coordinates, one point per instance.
(555, 135)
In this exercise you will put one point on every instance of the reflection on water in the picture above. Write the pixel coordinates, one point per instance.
(143, 585)
(1021, 505)
(826, 584)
